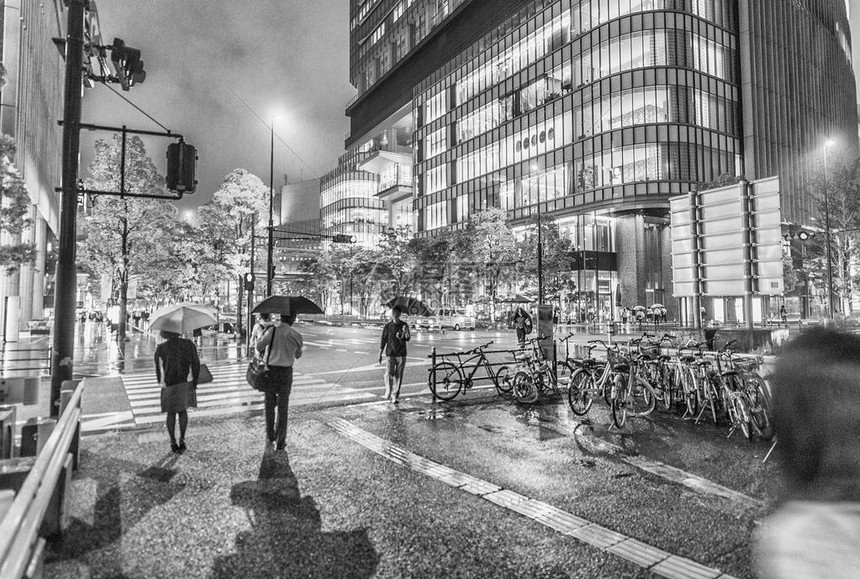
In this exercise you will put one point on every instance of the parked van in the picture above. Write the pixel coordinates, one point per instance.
(453, 318)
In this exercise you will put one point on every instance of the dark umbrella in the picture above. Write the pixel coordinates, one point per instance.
(517, 299)
(410, 306)
(289, 305)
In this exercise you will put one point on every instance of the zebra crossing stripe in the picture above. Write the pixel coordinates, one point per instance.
(228, 393)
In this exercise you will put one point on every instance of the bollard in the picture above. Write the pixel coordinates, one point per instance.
(8, 415)
(34, 435)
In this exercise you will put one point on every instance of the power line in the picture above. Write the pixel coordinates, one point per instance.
(150, 117)
(259, 118)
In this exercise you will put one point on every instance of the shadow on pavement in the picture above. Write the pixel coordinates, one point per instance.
(286, 539)
(121, 502)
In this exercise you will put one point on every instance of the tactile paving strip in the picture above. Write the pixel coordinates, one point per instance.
(646, 556)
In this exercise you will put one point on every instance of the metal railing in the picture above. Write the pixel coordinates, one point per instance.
(16, 361)
(21, 527)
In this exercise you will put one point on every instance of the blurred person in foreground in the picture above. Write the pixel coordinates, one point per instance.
(177, 369)
(815, 531)
(285, 346)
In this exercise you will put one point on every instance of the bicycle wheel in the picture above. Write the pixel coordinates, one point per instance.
(563, 374)
(619, 401)
(525, 390)
(666, 392)
(688, 390)
(579, 392)
(711, 398)
(742, 414)
(642, 400)
(448, 380)
(759, 411)
(504, 380)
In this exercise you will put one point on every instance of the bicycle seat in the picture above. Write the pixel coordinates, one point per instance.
(621, 367)
(664, 357)
(688, 359)
(584, 361)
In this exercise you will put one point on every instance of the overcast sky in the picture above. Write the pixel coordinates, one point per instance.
(289, 56)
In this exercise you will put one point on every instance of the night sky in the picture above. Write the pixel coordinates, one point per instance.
(289, 56)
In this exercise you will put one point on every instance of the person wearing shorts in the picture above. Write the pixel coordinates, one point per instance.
(395, 334)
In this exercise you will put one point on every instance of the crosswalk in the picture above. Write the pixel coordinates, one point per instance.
(228, 393)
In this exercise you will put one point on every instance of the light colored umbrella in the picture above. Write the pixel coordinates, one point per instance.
(638, 308)
(181, 318)
(656, 306)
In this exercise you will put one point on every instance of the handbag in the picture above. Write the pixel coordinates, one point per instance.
(205, 375)
(258, 370)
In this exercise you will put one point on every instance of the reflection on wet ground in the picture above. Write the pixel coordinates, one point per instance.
(99, 353)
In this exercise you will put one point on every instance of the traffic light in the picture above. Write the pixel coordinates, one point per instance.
(181, 167)
(343, 238)
(129, 66)
(249, 282)
(272, 271)
(804, 235)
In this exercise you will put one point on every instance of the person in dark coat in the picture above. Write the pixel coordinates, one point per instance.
(175, 361)
(395, 334)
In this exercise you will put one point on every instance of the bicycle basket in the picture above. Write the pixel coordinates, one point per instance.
(748, 364)
(649, 349)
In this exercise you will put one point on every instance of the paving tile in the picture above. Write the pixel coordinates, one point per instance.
(681, 568)
(598, 536)
(638, 552)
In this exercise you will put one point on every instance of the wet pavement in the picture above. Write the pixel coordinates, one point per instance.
(477, 487)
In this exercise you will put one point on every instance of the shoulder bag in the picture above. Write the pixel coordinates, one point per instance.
(258, 370)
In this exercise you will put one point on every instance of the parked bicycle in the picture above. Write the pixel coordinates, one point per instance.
(535, 375)
(448, 378)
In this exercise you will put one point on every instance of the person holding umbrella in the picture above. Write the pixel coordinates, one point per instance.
(177, 367)
(285, 347)
(395, 334)
(175, 359)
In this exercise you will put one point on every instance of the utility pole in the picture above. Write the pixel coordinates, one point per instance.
(65, 291)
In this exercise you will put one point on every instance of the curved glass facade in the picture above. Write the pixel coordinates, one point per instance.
(617, 103)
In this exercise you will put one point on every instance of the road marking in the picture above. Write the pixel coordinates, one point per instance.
(228, 393)
(646, 556)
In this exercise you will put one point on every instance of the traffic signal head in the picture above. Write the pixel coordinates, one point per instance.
(343, 238)
(181, 167)
(803, 235)
(249, 281)
(129, 66)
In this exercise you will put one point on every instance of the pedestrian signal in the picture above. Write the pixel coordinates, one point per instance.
(249, 282)
(803, 235)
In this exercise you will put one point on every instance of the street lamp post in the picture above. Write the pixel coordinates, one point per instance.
(270, 244)
(539, 244)
(828, 143)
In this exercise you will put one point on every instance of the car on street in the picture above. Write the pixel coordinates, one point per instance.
(448, 318)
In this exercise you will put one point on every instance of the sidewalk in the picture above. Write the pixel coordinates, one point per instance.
(378, 491)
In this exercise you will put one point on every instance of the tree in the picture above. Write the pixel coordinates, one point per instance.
(127, 236)
(14, 204)
(555, 259)
(493, 249)
(235, 210)
(841, 182)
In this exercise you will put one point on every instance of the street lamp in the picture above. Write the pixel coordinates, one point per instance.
(827, 144)
(271, 240)
(539, 244)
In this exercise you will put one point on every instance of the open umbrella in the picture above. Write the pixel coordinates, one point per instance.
(657, 306)
(181, 318)
(290, 305)
(410, 306)
(639, 308)
(517, 299)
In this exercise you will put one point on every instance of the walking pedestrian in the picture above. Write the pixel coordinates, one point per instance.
(783, 315)
(285, 347)
(522, 324)
(175, 360)
(816, 529)
(395, 334)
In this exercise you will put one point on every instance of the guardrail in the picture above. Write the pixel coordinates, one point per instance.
(16, 361)
(39, 505)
